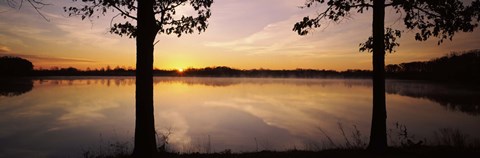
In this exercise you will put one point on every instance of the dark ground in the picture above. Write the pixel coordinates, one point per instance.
(413, 152)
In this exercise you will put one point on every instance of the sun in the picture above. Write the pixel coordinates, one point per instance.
(180, 70)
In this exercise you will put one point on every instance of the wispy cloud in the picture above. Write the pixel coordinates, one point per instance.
(272, 38)
(278, 38)
(47, 58)
(4, 49)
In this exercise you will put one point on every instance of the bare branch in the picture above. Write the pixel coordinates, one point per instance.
(362, 5)
(124, 12)
(426, 12)
(113, 18)
(33, 2)
(36, 4)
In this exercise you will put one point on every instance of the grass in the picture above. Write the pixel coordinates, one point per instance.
(337, 153)
(447, 142)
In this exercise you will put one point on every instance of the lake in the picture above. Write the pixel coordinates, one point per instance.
(66, 116)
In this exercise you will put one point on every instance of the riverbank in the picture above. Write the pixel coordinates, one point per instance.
(396, 152)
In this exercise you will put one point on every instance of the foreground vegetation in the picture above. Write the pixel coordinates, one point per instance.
(447, 142)
(392, 152)
(400, 152)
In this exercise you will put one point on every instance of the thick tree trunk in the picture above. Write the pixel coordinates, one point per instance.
(378, 133)
(145, 142)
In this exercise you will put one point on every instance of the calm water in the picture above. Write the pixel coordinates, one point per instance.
(61, 117)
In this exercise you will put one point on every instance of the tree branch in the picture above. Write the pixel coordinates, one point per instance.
(111, 20)
(362, 5)
(124, 12)
(172, 7)
(426, 12)
(38, 7)
(36, 4)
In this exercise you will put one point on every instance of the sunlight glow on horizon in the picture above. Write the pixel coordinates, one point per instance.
(260, 38)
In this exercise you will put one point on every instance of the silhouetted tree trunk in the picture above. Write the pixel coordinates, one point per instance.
(378, 136)
(145, 144)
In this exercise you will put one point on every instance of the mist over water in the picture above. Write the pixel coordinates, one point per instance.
(61, 117)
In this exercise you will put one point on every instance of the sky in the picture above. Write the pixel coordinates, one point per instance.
(243, 34)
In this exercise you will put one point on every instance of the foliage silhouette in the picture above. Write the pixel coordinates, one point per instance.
(439, 18)
(152, 17)
(15, 66)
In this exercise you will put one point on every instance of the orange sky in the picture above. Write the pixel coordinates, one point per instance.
(242, 34)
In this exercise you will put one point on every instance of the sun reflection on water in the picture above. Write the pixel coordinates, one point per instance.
(228, 113)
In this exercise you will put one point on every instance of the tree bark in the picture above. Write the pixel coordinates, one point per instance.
(145, 142)
(378, 135)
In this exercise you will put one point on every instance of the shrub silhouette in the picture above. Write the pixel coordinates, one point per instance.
(15, 66)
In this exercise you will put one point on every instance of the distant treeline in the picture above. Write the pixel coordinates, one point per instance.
(219, 71)
(223, 71)
(457, 66)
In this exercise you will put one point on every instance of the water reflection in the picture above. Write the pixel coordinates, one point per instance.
(454, 97)
(107, 81)
(10, 87)
(62, 116)
(273, 113)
